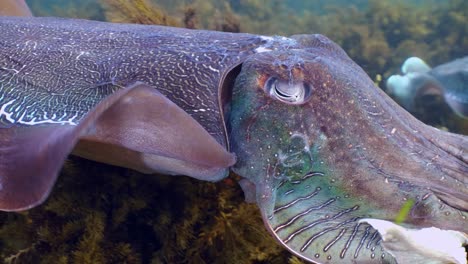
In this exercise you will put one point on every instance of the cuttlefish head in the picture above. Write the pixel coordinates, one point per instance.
(321, 148)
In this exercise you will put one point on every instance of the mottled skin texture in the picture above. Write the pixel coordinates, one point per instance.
(54, 72)
(46, 55)
(346, 152)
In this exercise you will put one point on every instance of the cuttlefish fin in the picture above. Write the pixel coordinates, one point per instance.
(147, 132)
(135, 125)
(32, 156)
(316, 221)
(425, 245)
(30, 159)
(14, 8)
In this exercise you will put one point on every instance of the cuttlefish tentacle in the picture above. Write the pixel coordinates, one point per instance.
(342, 153)
(424, 245)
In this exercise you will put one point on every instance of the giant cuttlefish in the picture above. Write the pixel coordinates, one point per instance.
(328, 157)
(449, 80)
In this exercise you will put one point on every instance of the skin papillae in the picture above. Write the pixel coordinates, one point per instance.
(320, 147)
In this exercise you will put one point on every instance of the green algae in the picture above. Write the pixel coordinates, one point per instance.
(137, 11)
(404, 211)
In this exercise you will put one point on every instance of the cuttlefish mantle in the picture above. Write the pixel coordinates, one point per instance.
(62, 84)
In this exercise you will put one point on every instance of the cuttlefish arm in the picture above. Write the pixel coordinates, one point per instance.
(14, 8)
(425, 245)
(151, 132)
(322, 148)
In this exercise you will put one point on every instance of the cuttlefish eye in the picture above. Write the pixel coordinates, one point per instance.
(287, 91)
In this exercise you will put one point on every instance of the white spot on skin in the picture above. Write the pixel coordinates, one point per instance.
(81, 54)
(393, 131)
(212, 69)
(271, 42)
(5, 113)
(48, 121)
(33, 121)
(267, 38)
(261, 49)
(14, 70)
(73, 118)
(34, 43)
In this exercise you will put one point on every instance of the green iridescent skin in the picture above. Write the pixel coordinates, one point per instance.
(347, 152)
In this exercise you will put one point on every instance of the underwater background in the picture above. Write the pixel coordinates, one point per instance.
(103, 214)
